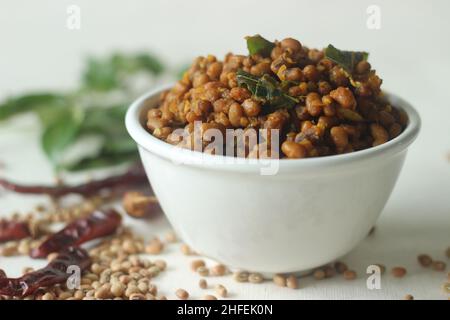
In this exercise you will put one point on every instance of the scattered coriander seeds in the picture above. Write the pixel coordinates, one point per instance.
(186, 250)
(349, 275)
(137, 296)
(102, 293)
(218, 270)
(424, 260)
(203, 271)
(195, 264)
(409, 297)
(292, 282)
(241, 276)
(255, 278)
(170, 237)
(203, 284)
(117, 289)
(182, 294)
(154, 247)
(161, 264)
(221, 291)
(319, 274)
(209, 297)
(438, 265)
(398, 272)
(279, 280)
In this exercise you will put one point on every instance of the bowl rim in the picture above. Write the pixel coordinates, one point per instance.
(184, 156)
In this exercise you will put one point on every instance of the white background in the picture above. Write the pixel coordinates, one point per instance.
(411, 52)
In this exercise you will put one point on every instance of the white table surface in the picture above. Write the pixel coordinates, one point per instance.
(411, 51)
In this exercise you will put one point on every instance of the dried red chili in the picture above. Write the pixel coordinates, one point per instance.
(13, 230)
(98, 224)
(55, 272)
(133, 176)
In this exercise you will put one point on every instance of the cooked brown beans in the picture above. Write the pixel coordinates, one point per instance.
(292, 44)
(339, 136)
(251, 107)
(235, 114)
(379, 134)
(343, 111)
(293, 150)
(344, 97)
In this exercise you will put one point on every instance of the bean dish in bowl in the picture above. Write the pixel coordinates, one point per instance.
(322, 102)
(342, 144)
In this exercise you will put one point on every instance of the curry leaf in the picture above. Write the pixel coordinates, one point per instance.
(102, 159)
(61, 133)
(29, 102)
(265, 89)
(258, 45)
(110, 72)
(346, 59)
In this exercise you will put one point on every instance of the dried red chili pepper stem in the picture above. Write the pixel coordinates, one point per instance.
(54, 273)
(13, 230)
(97, 224)
(133, 176)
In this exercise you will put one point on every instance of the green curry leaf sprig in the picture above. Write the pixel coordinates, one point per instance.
(266, 89)
(67, 117)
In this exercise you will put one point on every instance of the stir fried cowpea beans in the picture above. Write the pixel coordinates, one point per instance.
(334, 111)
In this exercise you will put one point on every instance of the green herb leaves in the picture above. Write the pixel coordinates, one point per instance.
(346, 59)
(90, 111)
(61, 132)
(258, 45)
(109, 73)
(266, 89)
(28, 102)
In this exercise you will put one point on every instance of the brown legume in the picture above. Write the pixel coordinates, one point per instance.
(293, 150)
(344, 97)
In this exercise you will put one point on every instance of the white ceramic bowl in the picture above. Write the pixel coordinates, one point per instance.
(310, 213)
